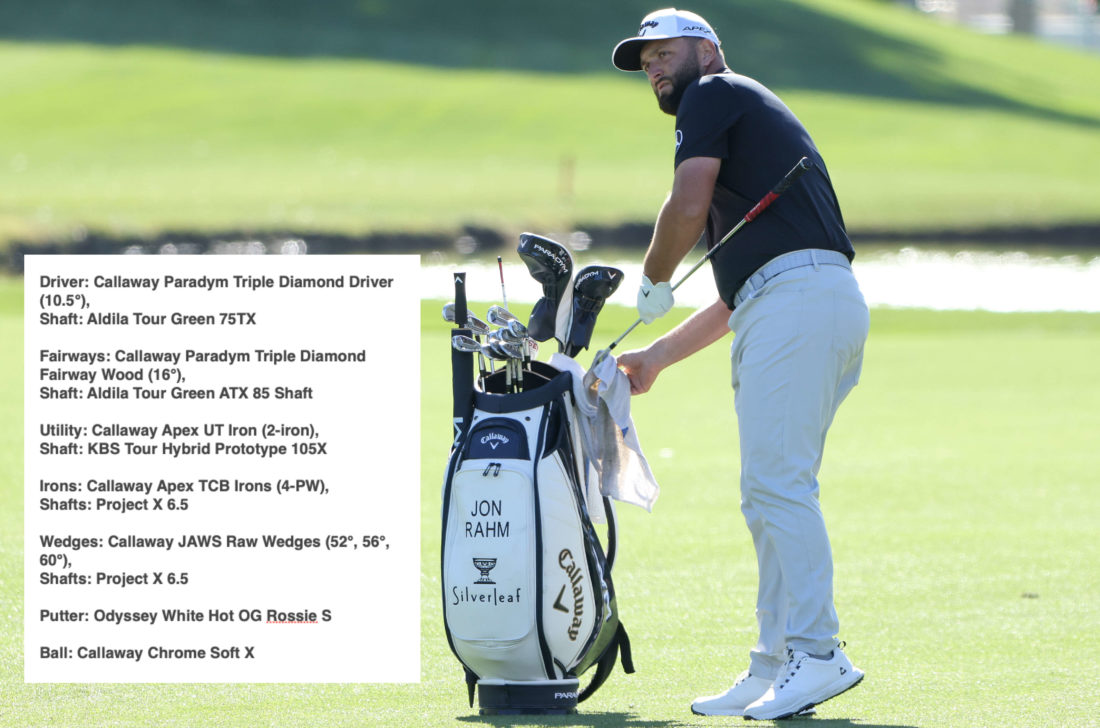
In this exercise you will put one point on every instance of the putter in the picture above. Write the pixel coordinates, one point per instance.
(789, 179)
(550, 264)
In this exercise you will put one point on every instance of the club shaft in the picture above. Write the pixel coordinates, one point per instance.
(503, 295)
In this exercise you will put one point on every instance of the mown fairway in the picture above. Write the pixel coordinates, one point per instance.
(395, 116)
(959, 487)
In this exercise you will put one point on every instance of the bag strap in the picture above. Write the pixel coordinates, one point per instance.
(612, 532)
(620, 645)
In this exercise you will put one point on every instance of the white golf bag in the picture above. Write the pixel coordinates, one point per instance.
(528, 601)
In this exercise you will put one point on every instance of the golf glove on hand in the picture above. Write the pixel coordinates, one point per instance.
(654, 299)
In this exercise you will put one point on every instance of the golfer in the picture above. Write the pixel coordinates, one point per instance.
(785, 287)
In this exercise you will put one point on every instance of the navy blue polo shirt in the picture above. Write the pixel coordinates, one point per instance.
(758, 139)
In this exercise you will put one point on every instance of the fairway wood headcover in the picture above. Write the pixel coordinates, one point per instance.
(550, 264)
(593, 285)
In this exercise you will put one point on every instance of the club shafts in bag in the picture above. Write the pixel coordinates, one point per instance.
(790, 178)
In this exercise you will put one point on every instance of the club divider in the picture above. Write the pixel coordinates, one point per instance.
(462, 366)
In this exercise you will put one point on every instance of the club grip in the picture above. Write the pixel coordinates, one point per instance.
(788, 179)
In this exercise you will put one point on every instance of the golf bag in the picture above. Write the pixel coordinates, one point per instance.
(528, 601)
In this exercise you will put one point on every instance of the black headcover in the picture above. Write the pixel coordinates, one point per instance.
(593, 285)
(550, 264)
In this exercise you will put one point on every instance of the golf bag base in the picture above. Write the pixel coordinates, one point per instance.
(529, 697)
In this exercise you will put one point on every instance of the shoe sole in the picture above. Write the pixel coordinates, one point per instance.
(807, 711)
(808, 708)
(720, 715)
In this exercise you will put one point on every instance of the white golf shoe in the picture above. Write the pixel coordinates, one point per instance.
(803, 683)
(746, 690)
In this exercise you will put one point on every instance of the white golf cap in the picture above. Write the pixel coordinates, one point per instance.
(659, 25)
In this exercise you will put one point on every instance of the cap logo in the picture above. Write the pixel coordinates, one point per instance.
(647, 24)
(700, 28)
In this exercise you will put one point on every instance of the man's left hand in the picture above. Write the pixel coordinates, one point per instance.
(654, 299)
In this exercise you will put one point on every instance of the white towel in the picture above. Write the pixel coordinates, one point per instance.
(602, 399)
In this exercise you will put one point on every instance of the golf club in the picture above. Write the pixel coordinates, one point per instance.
(500, 316)
(465, 343)
(473, 323)
(506, 319)
(790, 178)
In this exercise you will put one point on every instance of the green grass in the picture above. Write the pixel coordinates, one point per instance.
(319, 116)
(959, 486)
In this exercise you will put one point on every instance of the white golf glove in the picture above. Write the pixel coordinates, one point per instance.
(654, 299)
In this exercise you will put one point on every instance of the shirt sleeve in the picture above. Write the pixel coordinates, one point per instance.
(707, 111)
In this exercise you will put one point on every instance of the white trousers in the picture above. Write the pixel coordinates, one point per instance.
(797, 353)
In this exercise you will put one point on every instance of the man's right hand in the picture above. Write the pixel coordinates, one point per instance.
(654, 299)
(641, 368)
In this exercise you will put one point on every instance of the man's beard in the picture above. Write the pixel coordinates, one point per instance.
(670, 102)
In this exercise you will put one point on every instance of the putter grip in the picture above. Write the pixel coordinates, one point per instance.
(784, 184)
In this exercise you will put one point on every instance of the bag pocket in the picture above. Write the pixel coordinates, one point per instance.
(489, 583)
(571, 591)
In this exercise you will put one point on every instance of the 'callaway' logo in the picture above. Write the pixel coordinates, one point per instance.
(646, 25)
(596, 273)
(576, 580)
(557, 602)
(679, 139)
(493, 439)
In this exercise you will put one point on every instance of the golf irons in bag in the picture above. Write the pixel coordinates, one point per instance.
(528, 601)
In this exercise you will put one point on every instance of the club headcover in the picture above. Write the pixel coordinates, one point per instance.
(550, 264)
(593, 285)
